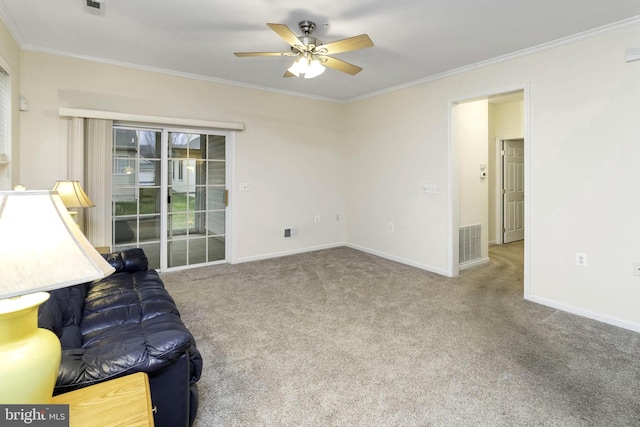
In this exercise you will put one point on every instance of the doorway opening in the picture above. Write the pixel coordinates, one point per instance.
(489, 190)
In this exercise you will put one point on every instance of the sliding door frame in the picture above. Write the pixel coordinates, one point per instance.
(165, 130)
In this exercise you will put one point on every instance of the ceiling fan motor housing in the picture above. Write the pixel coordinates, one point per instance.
(307, 27)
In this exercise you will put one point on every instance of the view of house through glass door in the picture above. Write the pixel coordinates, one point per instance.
(169, 195)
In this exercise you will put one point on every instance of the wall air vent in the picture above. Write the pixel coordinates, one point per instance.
(470, 238)
(94, 7)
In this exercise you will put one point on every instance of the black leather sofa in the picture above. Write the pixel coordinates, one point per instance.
(123, 324)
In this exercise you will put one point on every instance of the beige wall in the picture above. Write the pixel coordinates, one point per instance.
(291, 151)
(470, 132)
(10, 58)
(581, 106)
(368, 159)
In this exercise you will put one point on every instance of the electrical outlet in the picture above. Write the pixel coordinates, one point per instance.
(290, 233)
(316, 219)
(581, 259)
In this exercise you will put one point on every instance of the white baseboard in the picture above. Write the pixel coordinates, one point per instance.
(400, 260)
(475, 263)
(585, 313)
(337, 245)
(287, 253)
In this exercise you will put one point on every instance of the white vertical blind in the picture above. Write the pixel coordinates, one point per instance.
(5, 111)
(75, 164)
(98, 141)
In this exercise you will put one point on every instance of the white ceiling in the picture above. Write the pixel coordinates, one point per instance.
(413, 39)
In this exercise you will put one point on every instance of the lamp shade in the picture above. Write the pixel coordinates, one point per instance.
(72, 194)
(41, 247)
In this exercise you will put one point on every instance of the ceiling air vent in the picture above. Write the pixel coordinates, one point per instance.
(94, 7)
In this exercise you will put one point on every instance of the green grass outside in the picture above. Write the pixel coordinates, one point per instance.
(180, 202)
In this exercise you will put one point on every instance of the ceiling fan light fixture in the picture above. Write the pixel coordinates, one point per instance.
(299, 66)
(306, 67)
(314, 69)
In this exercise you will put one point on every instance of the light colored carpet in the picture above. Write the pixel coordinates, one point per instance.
(343, 338)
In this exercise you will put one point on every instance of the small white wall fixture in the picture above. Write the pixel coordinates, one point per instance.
(633, 54)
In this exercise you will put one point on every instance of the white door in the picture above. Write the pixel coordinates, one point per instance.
(513, 190)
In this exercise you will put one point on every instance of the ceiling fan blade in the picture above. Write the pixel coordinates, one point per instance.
(288, 35)
(345, 45)
(339, 65)
(243, 54)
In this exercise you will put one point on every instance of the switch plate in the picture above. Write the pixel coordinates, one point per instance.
(429, 188)
(316, 219)
(636, 268)
(581, 259)
(244, 186)
(391, 226)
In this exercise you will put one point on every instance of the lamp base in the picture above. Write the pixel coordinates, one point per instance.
(29, 356)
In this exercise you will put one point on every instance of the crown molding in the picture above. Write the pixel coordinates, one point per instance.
(73, 55)
(503, 58)
(8, 20)
(12, 26)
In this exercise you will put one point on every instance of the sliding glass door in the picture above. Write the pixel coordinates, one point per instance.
(136, 191)
(197, 198)
(169, 195)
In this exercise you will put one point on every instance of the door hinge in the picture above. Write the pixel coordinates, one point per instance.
(226, 198)
(502, 152)
(504, 191)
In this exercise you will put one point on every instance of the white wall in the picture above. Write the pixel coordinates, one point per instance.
(470, 131)
(295, 168)
(396, 143)
(581, 170)
(10, 58)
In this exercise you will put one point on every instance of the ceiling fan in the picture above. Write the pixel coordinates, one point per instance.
(312, 55)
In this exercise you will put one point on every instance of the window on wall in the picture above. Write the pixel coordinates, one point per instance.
(5, 113)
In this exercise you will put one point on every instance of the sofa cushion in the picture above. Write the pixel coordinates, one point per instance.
(63, 310)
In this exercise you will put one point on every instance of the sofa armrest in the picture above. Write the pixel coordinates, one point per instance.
(129, 260)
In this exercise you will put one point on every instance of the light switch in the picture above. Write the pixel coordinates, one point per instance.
(429, 188)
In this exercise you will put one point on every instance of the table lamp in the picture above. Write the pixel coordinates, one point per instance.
(41, 249)
(72, 195)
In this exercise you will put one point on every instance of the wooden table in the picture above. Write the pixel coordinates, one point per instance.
(125, 401)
